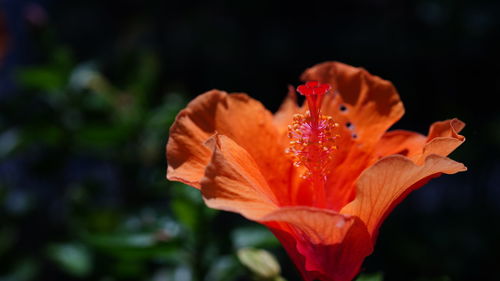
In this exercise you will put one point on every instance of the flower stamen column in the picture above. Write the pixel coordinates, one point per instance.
(312, 140)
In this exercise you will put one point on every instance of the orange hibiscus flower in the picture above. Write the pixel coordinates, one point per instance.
(322, 180)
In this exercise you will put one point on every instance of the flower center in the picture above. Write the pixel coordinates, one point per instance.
(312, 136)
(312, 145)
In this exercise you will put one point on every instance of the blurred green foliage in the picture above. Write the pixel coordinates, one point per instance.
(99, 207)
(371, 277)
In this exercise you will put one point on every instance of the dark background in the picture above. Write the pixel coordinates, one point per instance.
(88, 90)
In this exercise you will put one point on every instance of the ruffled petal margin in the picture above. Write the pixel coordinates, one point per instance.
(443, 138)
(237, 116)
(367, 104)
(187, 157)
(382, 186)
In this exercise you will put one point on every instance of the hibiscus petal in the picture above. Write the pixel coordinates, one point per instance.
(446, 128)
(187, 157)
(365, 103)
(382, 186)
(237, 116)
(401, 142)
(318, 226)
(443, 138)
(324, 244)
(233, 181)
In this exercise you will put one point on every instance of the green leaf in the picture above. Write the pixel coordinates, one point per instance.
(186, 213)
(143, 240)
(225, 268)
(136, 246)
(371, 277)
(102, 136)
(186, 204)
(75, 259)
(41, 78)
(9, 140)
(129, 269)
(253, 236)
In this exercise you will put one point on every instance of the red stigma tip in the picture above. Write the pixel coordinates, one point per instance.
(314, 92)
(313, 88)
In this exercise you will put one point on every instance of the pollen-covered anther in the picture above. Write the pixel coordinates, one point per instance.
(312, 142)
